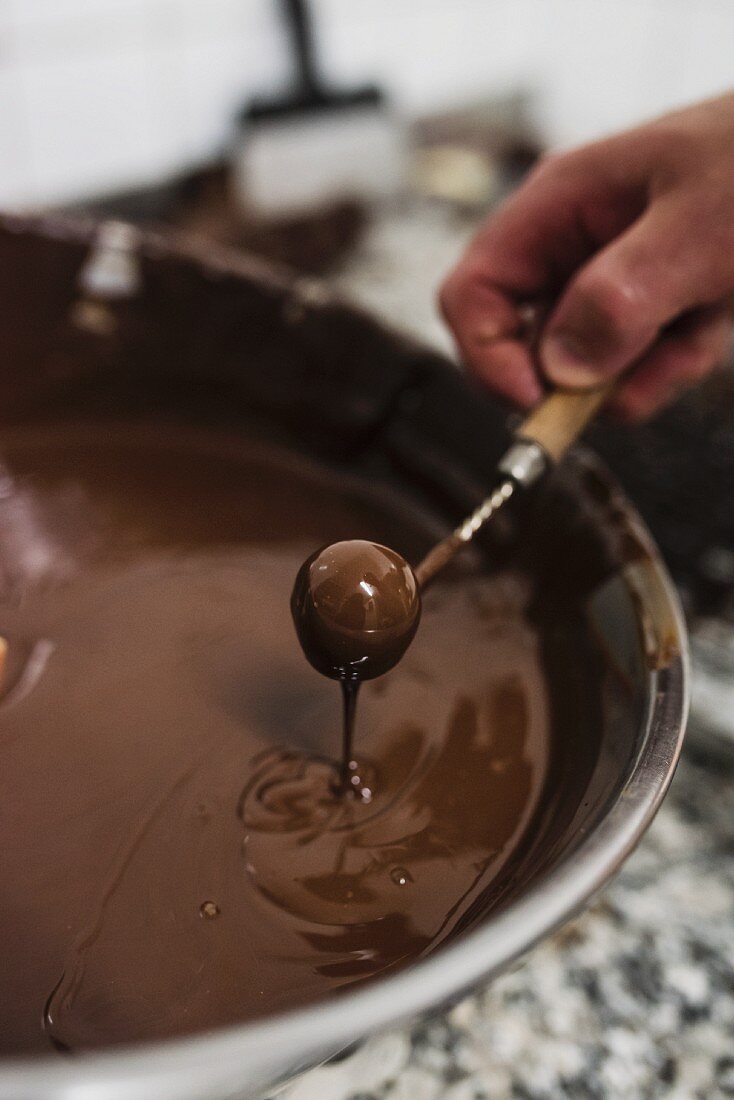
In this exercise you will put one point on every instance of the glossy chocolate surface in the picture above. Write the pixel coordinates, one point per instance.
(178, 857)
(356, 607)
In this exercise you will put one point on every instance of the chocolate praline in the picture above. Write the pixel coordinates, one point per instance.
(356, 607)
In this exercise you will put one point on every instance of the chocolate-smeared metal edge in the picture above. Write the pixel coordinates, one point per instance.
(661, 622)
(295, 329)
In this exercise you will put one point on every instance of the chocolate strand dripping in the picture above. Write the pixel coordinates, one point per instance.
(356, 605)
(350, 690)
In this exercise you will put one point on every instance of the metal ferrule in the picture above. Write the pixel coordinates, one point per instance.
(524, 462)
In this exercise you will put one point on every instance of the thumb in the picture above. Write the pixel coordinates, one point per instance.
(615, 306)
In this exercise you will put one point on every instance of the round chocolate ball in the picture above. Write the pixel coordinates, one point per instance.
(356, 607)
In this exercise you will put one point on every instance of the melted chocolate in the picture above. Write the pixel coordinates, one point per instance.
(179, 857)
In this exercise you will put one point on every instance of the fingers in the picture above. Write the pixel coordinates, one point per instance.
(616, 306)
(529, 246)
(534, 238)
(488, 332)
(629, 252)
(506, 366)
(487, 327)
(478, 312)
(683, 356)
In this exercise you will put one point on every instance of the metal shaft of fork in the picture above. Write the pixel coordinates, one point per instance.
(444, 551)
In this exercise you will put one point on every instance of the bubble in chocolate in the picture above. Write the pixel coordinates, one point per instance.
(401, 876)
(356, 607)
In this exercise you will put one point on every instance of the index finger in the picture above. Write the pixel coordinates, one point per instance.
(525, 251)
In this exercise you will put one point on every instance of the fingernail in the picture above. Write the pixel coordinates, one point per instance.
(564, 362)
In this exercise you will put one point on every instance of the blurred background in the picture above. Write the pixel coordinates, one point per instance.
(182, 113)
(161, 111)
(104, 94)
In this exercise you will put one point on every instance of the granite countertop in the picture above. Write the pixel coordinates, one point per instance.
(635, 998)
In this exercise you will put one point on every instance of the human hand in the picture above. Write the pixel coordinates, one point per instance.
(629, 242)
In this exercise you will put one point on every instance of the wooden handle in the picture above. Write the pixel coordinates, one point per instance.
(561, 418)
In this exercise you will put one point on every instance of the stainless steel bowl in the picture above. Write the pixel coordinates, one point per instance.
(68, 289)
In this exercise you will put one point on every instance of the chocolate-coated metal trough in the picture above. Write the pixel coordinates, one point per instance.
(95, 316)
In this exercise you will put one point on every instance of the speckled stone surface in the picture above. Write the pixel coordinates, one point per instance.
(634, 1000)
